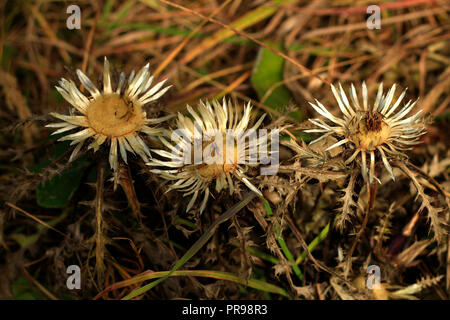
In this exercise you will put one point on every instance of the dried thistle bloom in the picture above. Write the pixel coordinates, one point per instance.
(372, 131)
(114, 115)
(210, 130)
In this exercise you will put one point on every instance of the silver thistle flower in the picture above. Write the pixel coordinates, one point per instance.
(113, 115)
(194, 179)
(370, 130)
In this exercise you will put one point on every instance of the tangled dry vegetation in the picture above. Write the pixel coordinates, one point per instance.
(371, 190)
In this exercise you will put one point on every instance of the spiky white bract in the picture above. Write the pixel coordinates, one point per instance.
(371, 131)
(211, 122)
(115, 116)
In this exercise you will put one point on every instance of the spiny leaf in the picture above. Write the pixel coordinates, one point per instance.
(435, 215)
(346, 211)
(383, 227)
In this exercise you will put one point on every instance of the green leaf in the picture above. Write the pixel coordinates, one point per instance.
(57, 192)
(267, 77)
(22, 290)
(58, 151)
(25, 240)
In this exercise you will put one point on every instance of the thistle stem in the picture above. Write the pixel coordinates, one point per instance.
(372, 193)
(99, 238)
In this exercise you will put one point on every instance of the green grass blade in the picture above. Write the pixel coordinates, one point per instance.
(221, 275)
(107, 9)
(258, 253)
(322, 236)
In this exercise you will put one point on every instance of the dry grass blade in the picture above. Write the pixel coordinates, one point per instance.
(34, 218)
(407, 256)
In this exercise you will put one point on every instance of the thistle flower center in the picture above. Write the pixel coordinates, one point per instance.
(371, 131)
(113, 115)
(226, 164)
(212, 171)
